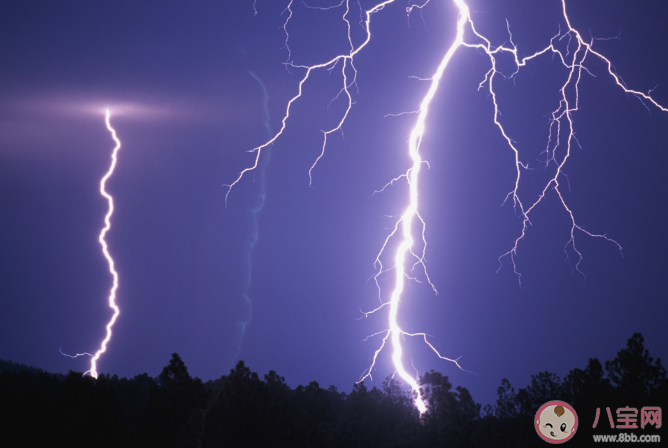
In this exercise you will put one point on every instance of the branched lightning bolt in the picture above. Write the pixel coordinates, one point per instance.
(346, 61)
(573, 58)
(406, 221)
(560, 139)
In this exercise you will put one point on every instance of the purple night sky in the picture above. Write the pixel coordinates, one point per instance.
(177, 77)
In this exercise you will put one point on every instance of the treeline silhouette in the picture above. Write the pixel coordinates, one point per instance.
(240, 409)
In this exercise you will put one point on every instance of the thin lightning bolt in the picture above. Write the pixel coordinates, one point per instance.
(105, 252)
(560, 140)
(73, 356)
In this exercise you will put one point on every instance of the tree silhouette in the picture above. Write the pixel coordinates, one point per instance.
(178, 406)
(240, 409)
(587, 389)
(451, 416)
(544, 387)
(634, 373)
(506, 404)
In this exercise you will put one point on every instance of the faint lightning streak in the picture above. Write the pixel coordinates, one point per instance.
(105, 251)
(261, 194)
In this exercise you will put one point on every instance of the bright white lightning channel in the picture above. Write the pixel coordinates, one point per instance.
(559, 143)
(105, 251)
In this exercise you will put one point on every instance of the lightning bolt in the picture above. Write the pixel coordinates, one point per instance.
(568, 47)
(105, 251)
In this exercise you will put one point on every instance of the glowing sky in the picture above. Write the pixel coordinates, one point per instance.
(176, 77)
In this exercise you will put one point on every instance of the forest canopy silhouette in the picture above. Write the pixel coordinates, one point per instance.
(240, 409)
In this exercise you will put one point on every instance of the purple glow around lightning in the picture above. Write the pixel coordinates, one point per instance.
(568, 47)
(105, 249)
